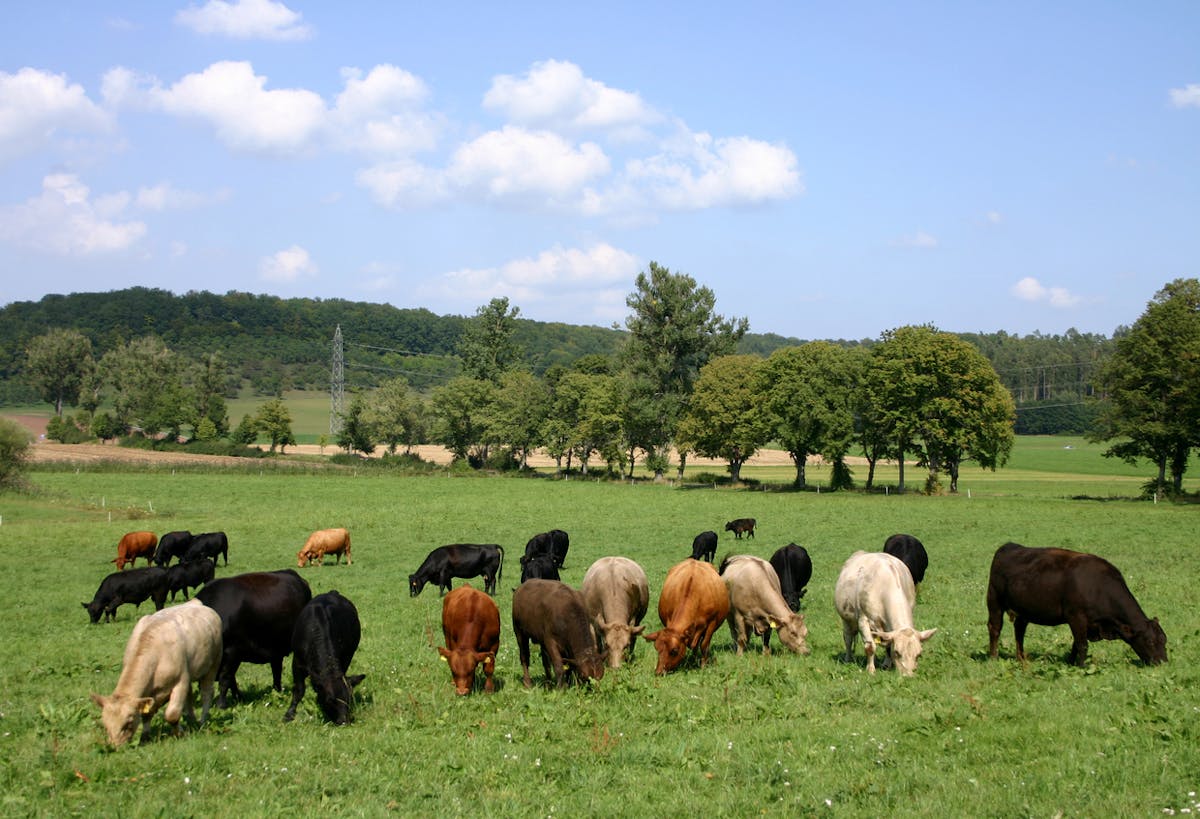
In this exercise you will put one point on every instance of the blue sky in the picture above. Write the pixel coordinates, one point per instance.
(829, 170)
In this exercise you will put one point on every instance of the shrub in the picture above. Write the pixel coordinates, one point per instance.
(65, 431)
(14, 454)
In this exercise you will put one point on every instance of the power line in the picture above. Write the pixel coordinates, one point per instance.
(400, 352)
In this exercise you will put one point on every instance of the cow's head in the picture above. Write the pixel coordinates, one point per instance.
(671, 648)
(415, 584)
(94, 610)
(618, 638)
(302, 558)
(463, 663)
(794, 634)
(1150, 642)
(589, 666)
(905, 647)
(121, 715)
(335, 696)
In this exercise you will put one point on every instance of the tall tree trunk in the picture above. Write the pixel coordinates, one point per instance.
(900, 487)
(870, 472)
(800, 460)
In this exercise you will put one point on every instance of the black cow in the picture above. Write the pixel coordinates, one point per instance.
(184, 576)
(554, 543)
(258, 614)
(459, 560)
(741, 526)
(172, 546)
(130, 586)
(1050, 587)
(324, 640)
(539, 567)
(207, 547)
(704, 546)
(794, 567)
(911, 553)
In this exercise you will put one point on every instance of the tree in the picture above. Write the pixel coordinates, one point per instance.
(357, 433)
(519, 412)
(1153, 385)
(274, 421)
(145, 377)
(590, 407)
(391, 414)
(245, 433)
(209, 390)
(486, 347)
(807, 396)
(57, 364)
(723, 418)
(460, 409)
(673, 332)
(14, 454)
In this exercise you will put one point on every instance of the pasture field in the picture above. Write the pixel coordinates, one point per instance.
(777, 735)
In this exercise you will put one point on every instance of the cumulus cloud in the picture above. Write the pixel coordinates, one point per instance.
(1186, 97)
(1030, 289)
(382, 113)
(66, 221)
(516, 161)
(287, 265)
(35, 105)
(245, 20)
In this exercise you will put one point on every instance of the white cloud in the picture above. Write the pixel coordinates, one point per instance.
(65, 221)
(35, 105)
(245, 20)
(555, 94)
(287, 265)
(381, 113)
(514, 161)
(164, 196)
(919, 240)
(1030, 289)
(993, 217)
(1186, 97)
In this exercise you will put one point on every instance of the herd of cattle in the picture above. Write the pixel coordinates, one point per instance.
(261, 617)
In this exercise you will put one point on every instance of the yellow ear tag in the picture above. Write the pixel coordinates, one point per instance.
(146, 708)
(774, 624)
(442, 658)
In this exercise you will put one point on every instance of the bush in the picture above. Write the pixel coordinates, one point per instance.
(14, 454)
(65, 431)
(105, 426)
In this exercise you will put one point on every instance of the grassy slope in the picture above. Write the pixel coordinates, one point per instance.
(779, 734)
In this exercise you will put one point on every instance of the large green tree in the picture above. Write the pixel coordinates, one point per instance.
(673, 332)
(1153, 385)
(274, 421)
(519, 412)
(590, 408)
(460, 409)
(723, 419)
(393, 414)
(14, 454)
(58, 364)
(487, 348)
(145, 378)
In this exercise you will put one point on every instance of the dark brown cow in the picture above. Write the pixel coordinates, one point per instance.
(134, 545)
(1049, 587)
(694, 602)
(741, 526)
(553, 615)
(471, 628)
(704, 546)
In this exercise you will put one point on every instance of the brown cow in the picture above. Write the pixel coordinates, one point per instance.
(553, 615)
(694, 602)
(756, 605)
(134, 545)
(471, 627)
(325, 542)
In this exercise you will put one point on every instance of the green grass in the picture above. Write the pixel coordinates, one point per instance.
(782, 735)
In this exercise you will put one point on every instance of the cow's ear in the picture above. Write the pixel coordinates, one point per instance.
(883, 636)
(356, 679)
(445, 653)
(99, 700)
(925, 635)
(651, 637)
(144, 704)
(636, 630)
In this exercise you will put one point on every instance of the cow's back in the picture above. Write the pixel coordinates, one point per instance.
(877, 586)
(616, 589)
(470, 619)
(258, 611)
(693, 593)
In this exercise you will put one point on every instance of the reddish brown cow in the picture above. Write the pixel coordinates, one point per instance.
(471, 626)
(325, 542)
(694, 602)
(134, 545)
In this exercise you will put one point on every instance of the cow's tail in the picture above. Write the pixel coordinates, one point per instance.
(500, 571)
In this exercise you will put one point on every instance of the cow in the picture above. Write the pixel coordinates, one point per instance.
(1049, 587)
(554, 543)
(172, 546)
(793, 566)
(207, 547)
(325, 542)
(133, 586)
(258, 614)
(540, 567)
(134, 545)
(459, 560)
(704, 546)
(166, 652)
(324, 640)
(183, 576)
(693, 603)
(741, 526)
(874, 596)
(756, 605)
(553, 615)
(617, 594)
(911, 553)
(471, 629)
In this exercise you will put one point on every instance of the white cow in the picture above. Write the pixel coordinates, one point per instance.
(166, 652)
(756, 605)
(617, 594)
(874, 597)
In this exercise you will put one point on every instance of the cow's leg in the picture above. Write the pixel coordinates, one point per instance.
(206, 694)
(179, 705)
(489, 669)
(277, 673)
(864, 628)
(523, 652)
(767, 640)
(1019, 626)
(706, 641)
(995, 625)
(552, 662)
(849, 634)
(1079, 645)
(298, 675)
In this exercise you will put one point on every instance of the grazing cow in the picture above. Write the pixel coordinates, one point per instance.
(165, 653)
(134, 545)
(133, 586)
(911, 553)
(207, 547)
(693, 603)
(459, 560)
(616, 593)
(172, 546)
(554, 543)
(324, 640)
(325, 542)
(471, 628)
(756, 605)
(874, 597)
(539, 567)
(704, 546)
(258, 614)
(741, 526)
(1049, 587)
(794, 569)
(183, 576)
(553, 615)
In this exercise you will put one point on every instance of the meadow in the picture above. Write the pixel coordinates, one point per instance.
(777, 735)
